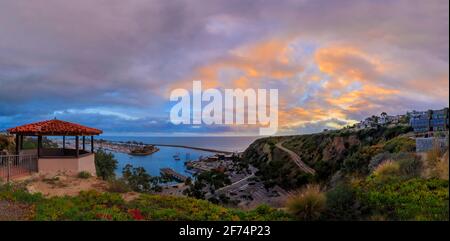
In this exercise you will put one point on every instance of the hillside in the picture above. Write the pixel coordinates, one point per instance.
(327, 153)
(369, 174)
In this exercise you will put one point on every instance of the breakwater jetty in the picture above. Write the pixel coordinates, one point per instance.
(169, 172)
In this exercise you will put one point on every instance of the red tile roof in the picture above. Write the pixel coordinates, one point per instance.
(55, 128)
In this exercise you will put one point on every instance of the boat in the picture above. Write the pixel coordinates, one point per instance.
(177, 157)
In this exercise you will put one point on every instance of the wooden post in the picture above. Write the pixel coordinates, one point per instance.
(84, 142)
(77, 148)
(92, 144)
(17, 144)
(64, 146)
(21, 142)
(39, 145)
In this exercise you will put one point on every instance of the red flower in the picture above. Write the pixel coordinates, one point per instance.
(136, 214)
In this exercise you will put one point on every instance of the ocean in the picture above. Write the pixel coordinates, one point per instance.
(165, 156)
(227, 143)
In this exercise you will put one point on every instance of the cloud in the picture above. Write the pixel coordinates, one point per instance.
(333, 62)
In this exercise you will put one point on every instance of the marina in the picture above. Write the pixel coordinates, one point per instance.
(169, 172)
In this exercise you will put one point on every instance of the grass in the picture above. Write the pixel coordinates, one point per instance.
(387, 169)
(92, 205)
(308, 203)
(397, 199)
(84, 175)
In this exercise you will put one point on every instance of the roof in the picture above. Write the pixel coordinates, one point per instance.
(55, 128)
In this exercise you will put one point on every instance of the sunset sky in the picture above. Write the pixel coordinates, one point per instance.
(111, 64)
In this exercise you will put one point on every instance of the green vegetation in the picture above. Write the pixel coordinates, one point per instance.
(105, 164)
(400, 144)
(413, 199)
(139, 180)
(118, 186)
(342, 204)
(84, 175)
(370, 174)
(7, 143)
(211, 179)
(146, 150)
(91, 205)
(326, 152)
(308, 204)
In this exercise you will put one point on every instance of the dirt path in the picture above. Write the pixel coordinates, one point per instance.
(296, 158)
(65, 185)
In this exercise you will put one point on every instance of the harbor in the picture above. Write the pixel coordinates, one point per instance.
(170, 173)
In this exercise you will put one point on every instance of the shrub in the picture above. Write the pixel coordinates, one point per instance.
(436, 163)
(442, 167)
(413, 199)
(308, 203)
(386, 170)
(84, 175)
(400, 144)
(88, 205)
(118, 186)
(410, 167)
(18, 192)
(105, 164)
(378, 159)
(409, 164)
(342, 204)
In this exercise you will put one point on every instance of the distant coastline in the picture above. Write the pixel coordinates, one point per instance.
(214, 144)
(195, 148)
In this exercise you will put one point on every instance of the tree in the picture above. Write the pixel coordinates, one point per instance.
(105, 164)
(188, 181)
(139, 180)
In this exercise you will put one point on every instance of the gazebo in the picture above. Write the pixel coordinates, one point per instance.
(63, 159)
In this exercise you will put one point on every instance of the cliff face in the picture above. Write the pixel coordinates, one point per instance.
(327, 153)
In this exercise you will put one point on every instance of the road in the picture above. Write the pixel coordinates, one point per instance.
(235, 183)
(296, 158)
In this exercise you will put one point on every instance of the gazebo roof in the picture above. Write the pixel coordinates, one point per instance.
(54, 128)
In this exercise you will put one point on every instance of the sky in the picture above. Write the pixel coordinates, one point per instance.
(111, 64)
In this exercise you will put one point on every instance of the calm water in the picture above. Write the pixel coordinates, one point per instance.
(164, 157)
(233, 144)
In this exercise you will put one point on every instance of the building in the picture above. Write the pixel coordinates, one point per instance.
(439, 120)
(390, 119)
(429, 121)
(367, 123)
(420, 121)
(50, 160)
